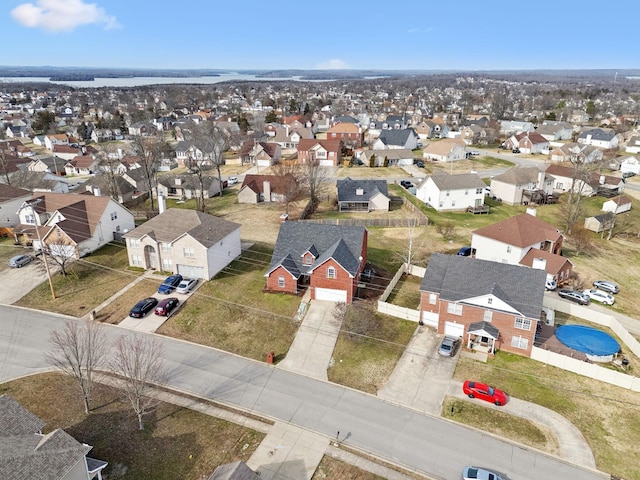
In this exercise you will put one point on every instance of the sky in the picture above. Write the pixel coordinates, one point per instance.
(466, 35)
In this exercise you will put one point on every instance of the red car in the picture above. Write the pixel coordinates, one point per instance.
(165, 306)
(484, 392)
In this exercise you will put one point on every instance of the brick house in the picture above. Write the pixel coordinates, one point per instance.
(490, 305)
(328, 153)
(326, 258)
(352, 135)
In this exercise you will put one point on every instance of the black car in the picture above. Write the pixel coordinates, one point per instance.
(574, 296)
(406, 184)
(143, 307)
(515, 150)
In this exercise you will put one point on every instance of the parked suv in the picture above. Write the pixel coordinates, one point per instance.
(607, 286)
(20, 261)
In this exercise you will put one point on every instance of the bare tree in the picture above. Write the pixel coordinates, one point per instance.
(78, 351)
(4, 167)
(151, 151)
(200, 162)
(62, 252)
(314, 177)
(137, 362)
(408, 253)
(109, 162)
(291, 182)
(582, 172)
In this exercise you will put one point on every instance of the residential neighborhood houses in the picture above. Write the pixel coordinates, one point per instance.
(311, 181)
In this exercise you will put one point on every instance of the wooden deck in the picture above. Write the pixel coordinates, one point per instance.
(478, 210)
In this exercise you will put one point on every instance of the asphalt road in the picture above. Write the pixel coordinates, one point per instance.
(417, 441)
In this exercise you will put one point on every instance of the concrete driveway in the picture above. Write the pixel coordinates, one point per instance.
(421, 377)
(15, 283)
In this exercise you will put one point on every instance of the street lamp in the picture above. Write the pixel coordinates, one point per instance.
(44, 255)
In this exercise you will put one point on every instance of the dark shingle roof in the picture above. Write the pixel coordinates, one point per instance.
(347, 189)
(458, 278)
(444, 181)
(396, 136)
(343, 243)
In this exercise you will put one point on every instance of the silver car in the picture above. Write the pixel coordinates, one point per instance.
(20, 261)
(607, 286)
(448, 346)
(477, 473)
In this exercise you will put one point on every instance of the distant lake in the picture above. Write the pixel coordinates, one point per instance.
(140, 81)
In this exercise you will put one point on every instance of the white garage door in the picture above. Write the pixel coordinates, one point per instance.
(191, 271)
(430, 319)
(453, 329)
(331, 294)
(326, 163)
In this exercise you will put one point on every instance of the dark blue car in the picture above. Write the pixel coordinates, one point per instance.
(466, 251)
(170, 284)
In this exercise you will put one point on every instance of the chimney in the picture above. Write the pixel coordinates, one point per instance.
(266, 190)
(96, 191)
(178, 181)
(286, 129)
(359, 191)
(540, 181)
(531, 211)
(539, 264)
(162, 206)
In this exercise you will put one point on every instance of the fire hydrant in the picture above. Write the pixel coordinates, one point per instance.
(270, 357)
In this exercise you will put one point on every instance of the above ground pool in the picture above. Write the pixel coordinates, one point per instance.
(589, 340)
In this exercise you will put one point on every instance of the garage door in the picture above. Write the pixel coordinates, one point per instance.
(326, 163)
(191, 271)
(430, 319)
(331, 294)
(453, 329)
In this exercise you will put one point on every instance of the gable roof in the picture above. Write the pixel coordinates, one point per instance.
(460, 181)
(308, 143)
(347, 189)
(397, 136)
(554, 263)
(343, 243)
(8, 192)
(521, 231)
(175, 222)
(598, 134)
(520, 175)
(279, 184)
(444, 146)
(520, 287)
(25, 453)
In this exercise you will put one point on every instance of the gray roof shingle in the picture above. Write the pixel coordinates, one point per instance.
(458, 278)
(347, 189)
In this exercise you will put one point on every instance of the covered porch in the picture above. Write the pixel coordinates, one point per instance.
(482, 336)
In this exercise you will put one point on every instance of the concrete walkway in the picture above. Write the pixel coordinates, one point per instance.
(312, 349)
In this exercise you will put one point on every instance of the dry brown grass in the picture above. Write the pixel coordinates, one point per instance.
(176, 442)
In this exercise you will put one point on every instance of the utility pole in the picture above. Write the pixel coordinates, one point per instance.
(44, 254)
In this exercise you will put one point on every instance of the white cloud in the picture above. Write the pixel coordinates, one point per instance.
(333, 64)
(62, 15)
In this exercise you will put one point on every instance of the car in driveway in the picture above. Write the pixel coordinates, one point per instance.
(600, 296)
(478, 473)
(143, 307)
(550, 285)
(448, 346)
(484, 392)
(19, 261)
(186, 285)
(166, 306)
(607, 286)
(574, 296)
(170, 283)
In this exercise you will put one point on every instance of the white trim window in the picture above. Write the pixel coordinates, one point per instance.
(281, 281)
(454, 308)
(136, 260)
(331, 272)
(432, 298)
(188, 252)
(134, 242)
(165, 247)
(523, 323)
(520, 342)
(488, 315)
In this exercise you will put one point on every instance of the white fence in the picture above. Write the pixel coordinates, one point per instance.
(405, 313)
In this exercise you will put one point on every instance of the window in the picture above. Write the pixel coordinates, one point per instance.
(479, 191)
(114, 215)
(508, 248)
(134, 242)
(488, 314)
(523, 323)
(30, 219)
(281, 281)
(188, 252)
(447, 194)
(454, 308)
(520, 342)
(331, 272)
(165, 247)
(136, 260)
(59, 232)
(432, 298)
(308, 259)
(167, 264)
(466, 192)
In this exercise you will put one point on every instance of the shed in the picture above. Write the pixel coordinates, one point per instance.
(617, 205)
(600, 223)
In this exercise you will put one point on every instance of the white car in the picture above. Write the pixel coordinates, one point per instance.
(232, 180)
(477, 473)
(600, 296)
(186, 285)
